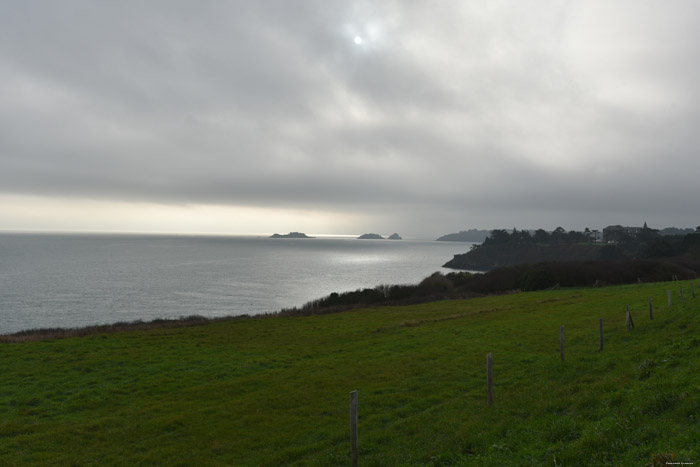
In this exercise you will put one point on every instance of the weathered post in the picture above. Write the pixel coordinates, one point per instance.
(561, 343)
(489, 378)
(354, 443)
(651, 309)
(682, 299)
(629, 317)
(669, 299)
(628, 321)
(600, 321)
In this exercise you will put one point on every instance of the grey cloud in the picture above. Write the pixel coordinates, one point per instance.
(458, 110)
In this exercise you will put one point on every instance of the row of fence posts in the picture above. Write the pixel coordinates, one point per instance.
(629, 324)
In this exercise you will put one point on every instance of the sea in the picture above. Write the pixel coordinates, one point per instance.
(74, 280)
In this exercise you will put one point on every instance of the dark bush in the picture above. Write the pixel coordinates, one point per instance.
(537, 279)
(609, 252)
(435, 284)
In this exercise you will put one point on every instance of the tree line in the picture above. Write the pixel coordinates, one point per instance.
(540, 236)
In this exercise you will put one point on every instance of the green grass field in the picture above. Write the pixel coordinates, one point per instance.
(274, 391)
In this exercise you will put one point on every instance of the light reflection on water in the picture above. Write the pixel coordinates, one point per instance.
(360, 259)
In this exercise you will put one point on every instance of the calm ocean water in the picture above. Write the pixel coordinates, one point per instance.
(69, 280)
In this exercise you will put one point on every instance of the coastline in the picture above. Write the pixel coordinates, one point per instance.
(67, 281)
(436, 287)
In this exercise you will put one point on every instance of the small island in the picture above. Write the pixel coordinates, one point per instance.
(374, 236)
(291, 235)
(370, 236)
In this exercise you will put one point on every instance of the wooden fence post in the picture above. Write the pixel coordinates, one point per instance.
(682, 299)
(354, 442)
(651, 309)
(628, 321)
(561, 343)
(489, 378)
(600, 321)
(669, 299)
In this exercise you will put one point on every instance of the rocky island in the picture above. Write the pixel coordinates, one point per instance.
(374, 236)
(291, 235)
(370, 236)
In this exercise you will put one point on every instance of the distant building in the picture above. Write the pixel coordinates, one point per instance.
(620, 234)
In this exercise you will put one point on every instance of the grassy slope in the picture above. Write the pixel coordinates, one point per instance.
(275, 390)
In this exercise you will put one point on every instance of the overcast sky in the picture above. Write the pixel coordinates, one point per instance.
(420, 117)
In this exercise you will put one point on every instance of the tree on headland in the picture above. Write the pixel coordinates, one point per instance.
(541, 236)
(498, 237)
(522, 237)
(559, 235)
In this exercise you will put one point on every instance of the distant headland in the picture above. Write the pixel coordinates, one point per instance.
(374, 236)
(472, 235)
(503, 248)
(291, 235)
